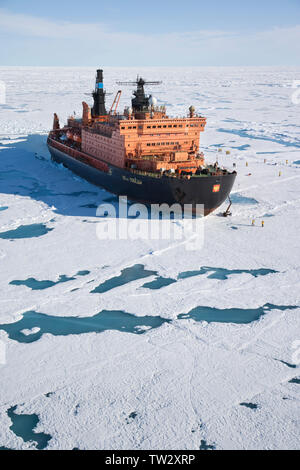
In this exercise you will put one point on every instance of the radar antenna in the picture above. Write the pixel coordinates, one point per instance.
(141, 101)
(140, 82)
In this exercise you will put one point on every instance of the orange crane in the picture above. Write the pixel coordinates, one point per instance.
(114, 106)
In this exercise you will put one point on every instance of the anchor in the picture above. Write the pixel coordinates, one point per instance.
(227, 213)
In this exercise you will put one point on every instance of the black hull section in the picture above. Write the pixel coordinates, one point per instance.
(151, 190)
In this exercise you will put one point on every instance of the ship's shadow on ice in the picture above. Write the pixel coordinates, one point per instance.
(26, 169)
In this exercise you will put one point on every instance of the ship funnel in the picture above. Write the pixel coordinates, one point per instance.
(99, 96)
(99, 78)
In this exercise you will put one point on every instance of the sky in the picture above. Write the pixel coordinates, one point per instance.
(150, 33)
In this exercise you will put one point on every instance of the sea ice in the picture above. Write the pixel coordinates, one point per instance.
(184, 384)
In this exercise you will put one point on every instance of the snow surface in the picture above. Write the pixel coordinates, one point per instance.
(177, 385)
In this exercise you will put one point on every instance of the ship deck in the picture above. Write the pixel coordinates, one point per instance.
(103, 165)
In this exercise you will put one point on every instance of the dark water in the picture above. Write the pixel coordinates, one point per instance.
(231, 315)
(205, 446)
(239, 199)
(290, 366)
(124, 322)
(26, 231)
(242, 147)
(265, 153)
(295, 381)
(251, 406)
(64, 326)
(23, 426)
(222, 273)
(3, 208)
(34, 284)
(138, 271)
(127, 275)
(159, 282)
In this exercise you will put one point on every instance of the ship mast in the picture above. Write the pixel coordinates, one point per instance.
(140, 102)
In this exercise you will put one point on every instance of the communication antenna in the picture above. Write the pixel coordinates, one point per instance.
(141, 102)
